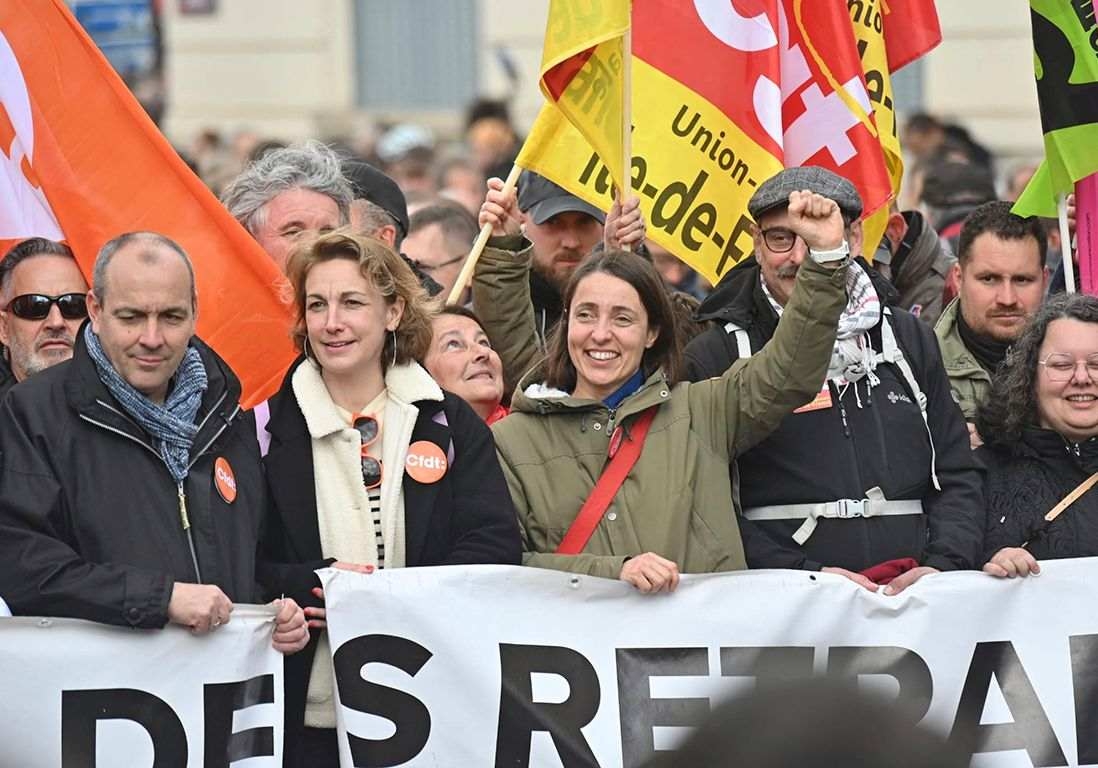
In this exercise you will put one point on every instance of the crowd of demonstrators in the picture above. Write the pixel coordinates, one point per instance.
(1002, 280)
(43, 295)
(1039, 424)
(804, 414)
(873, 478)
(168, 539)
(371, 463)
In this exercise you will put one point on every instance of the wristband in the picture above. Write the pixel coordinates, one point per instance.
(830, 256)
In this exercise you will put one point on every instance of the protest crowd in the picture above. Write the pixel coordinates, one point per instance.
(588, 402)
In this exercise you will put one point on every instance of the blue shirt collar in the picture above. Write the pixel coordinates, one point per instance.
(625, 390)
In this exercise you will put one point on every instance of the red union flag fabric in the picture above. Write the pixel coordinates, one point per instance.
(727, 94)
(80, 161)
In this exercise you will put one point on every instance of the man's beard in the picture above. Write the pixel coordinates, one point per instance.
(552, 272)
(33, 361)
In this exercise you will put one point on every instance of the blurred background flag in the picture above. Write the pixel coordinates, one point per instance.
(81, 161)
(1066, 67)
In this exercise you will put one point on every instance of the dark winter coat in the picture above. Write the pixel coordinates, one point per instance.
(466, 517)
(90, 518)
(1027, 479)
(842, 451)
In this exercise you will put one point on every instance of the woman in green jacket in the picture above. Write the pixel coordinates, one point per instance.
(614, 356)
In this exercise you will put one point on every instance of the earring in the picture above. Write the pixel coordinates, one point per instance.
(305, 348)
(394, 335)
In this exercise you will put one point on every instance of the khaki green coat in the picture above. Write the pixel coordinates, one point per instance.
(969, 382)
(677, 501)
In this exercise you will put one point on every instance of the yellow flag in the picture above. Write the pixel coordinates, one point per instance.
(582, 67)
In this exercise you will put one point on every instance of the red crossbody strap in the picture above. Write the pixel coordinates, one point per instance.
(579, 532)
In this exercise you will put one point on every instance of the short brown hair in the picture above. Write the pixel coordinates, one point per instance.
(385, 270)
(639, 273)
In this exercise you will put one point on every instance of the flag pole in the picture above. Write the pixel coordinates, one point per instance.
(471, 260)
(1065, 242)
(627, 113)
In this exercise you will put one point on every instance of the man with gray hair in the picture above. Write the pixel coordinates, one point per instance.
(131, 491)
(288, 192)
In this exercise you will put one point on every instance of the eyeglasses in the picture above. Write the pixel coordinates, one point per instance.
(1061, 366)
(368, 429)
(429, 268)
(36, 306)
(779, 239)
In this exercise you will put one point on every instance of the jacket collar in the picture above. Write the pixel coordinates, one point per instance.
(406, 384)
(536, 397)
(1038, 442)
(958, 361)
(732, 300)
(88, 395)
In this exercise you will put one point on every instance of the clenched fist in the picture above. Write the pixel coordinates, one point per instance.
(817, 219)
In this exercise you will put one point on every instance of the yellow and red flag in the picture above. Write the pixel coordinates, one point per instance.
(81, 161)
(727, 94)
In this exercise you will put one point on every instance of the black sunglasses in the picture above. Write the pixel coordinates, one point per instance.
(36, 306)
(368, 429)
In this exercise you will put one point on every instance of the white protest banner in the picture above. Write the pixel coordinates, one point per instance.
(83, 695)
(500, 666)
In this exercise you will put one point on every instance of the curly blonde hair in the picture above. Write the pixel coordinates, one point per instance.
(386, 271)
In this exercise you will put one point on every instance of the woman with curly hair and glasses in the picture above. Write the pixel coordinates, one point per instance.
(1039, 427)
(371, 464)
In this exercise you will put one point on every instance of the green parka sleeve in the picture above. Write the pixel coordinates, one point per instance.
(501, 299)
(746, 403)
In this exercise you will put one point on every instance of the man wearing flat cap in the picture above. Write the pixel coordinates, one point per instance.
(875, 474)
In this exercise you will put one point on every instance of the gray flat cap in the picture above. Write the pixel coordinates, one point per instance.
(774, 192)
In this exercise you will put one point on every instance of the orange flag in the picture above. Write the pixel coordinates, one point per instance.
(81, 161)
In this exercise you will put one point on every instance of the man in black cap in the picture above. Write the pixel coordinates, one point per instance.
(553, 232)
(378, 209)
(875, 474)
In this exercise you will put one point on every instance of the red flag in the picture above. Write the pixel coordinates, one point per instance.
(910, 30)
(80, 160)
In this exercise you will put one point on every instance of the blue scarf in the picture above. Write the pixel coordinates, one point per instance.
(171, 425)
(625, 390)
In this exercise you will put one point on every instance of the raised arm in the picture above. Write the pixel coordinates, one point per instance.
(750, 399)
(501, 286)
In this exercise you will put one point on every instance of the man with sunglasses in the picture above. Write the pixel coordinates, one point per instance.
(131, 490)
(873, 479)
(42, 304)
